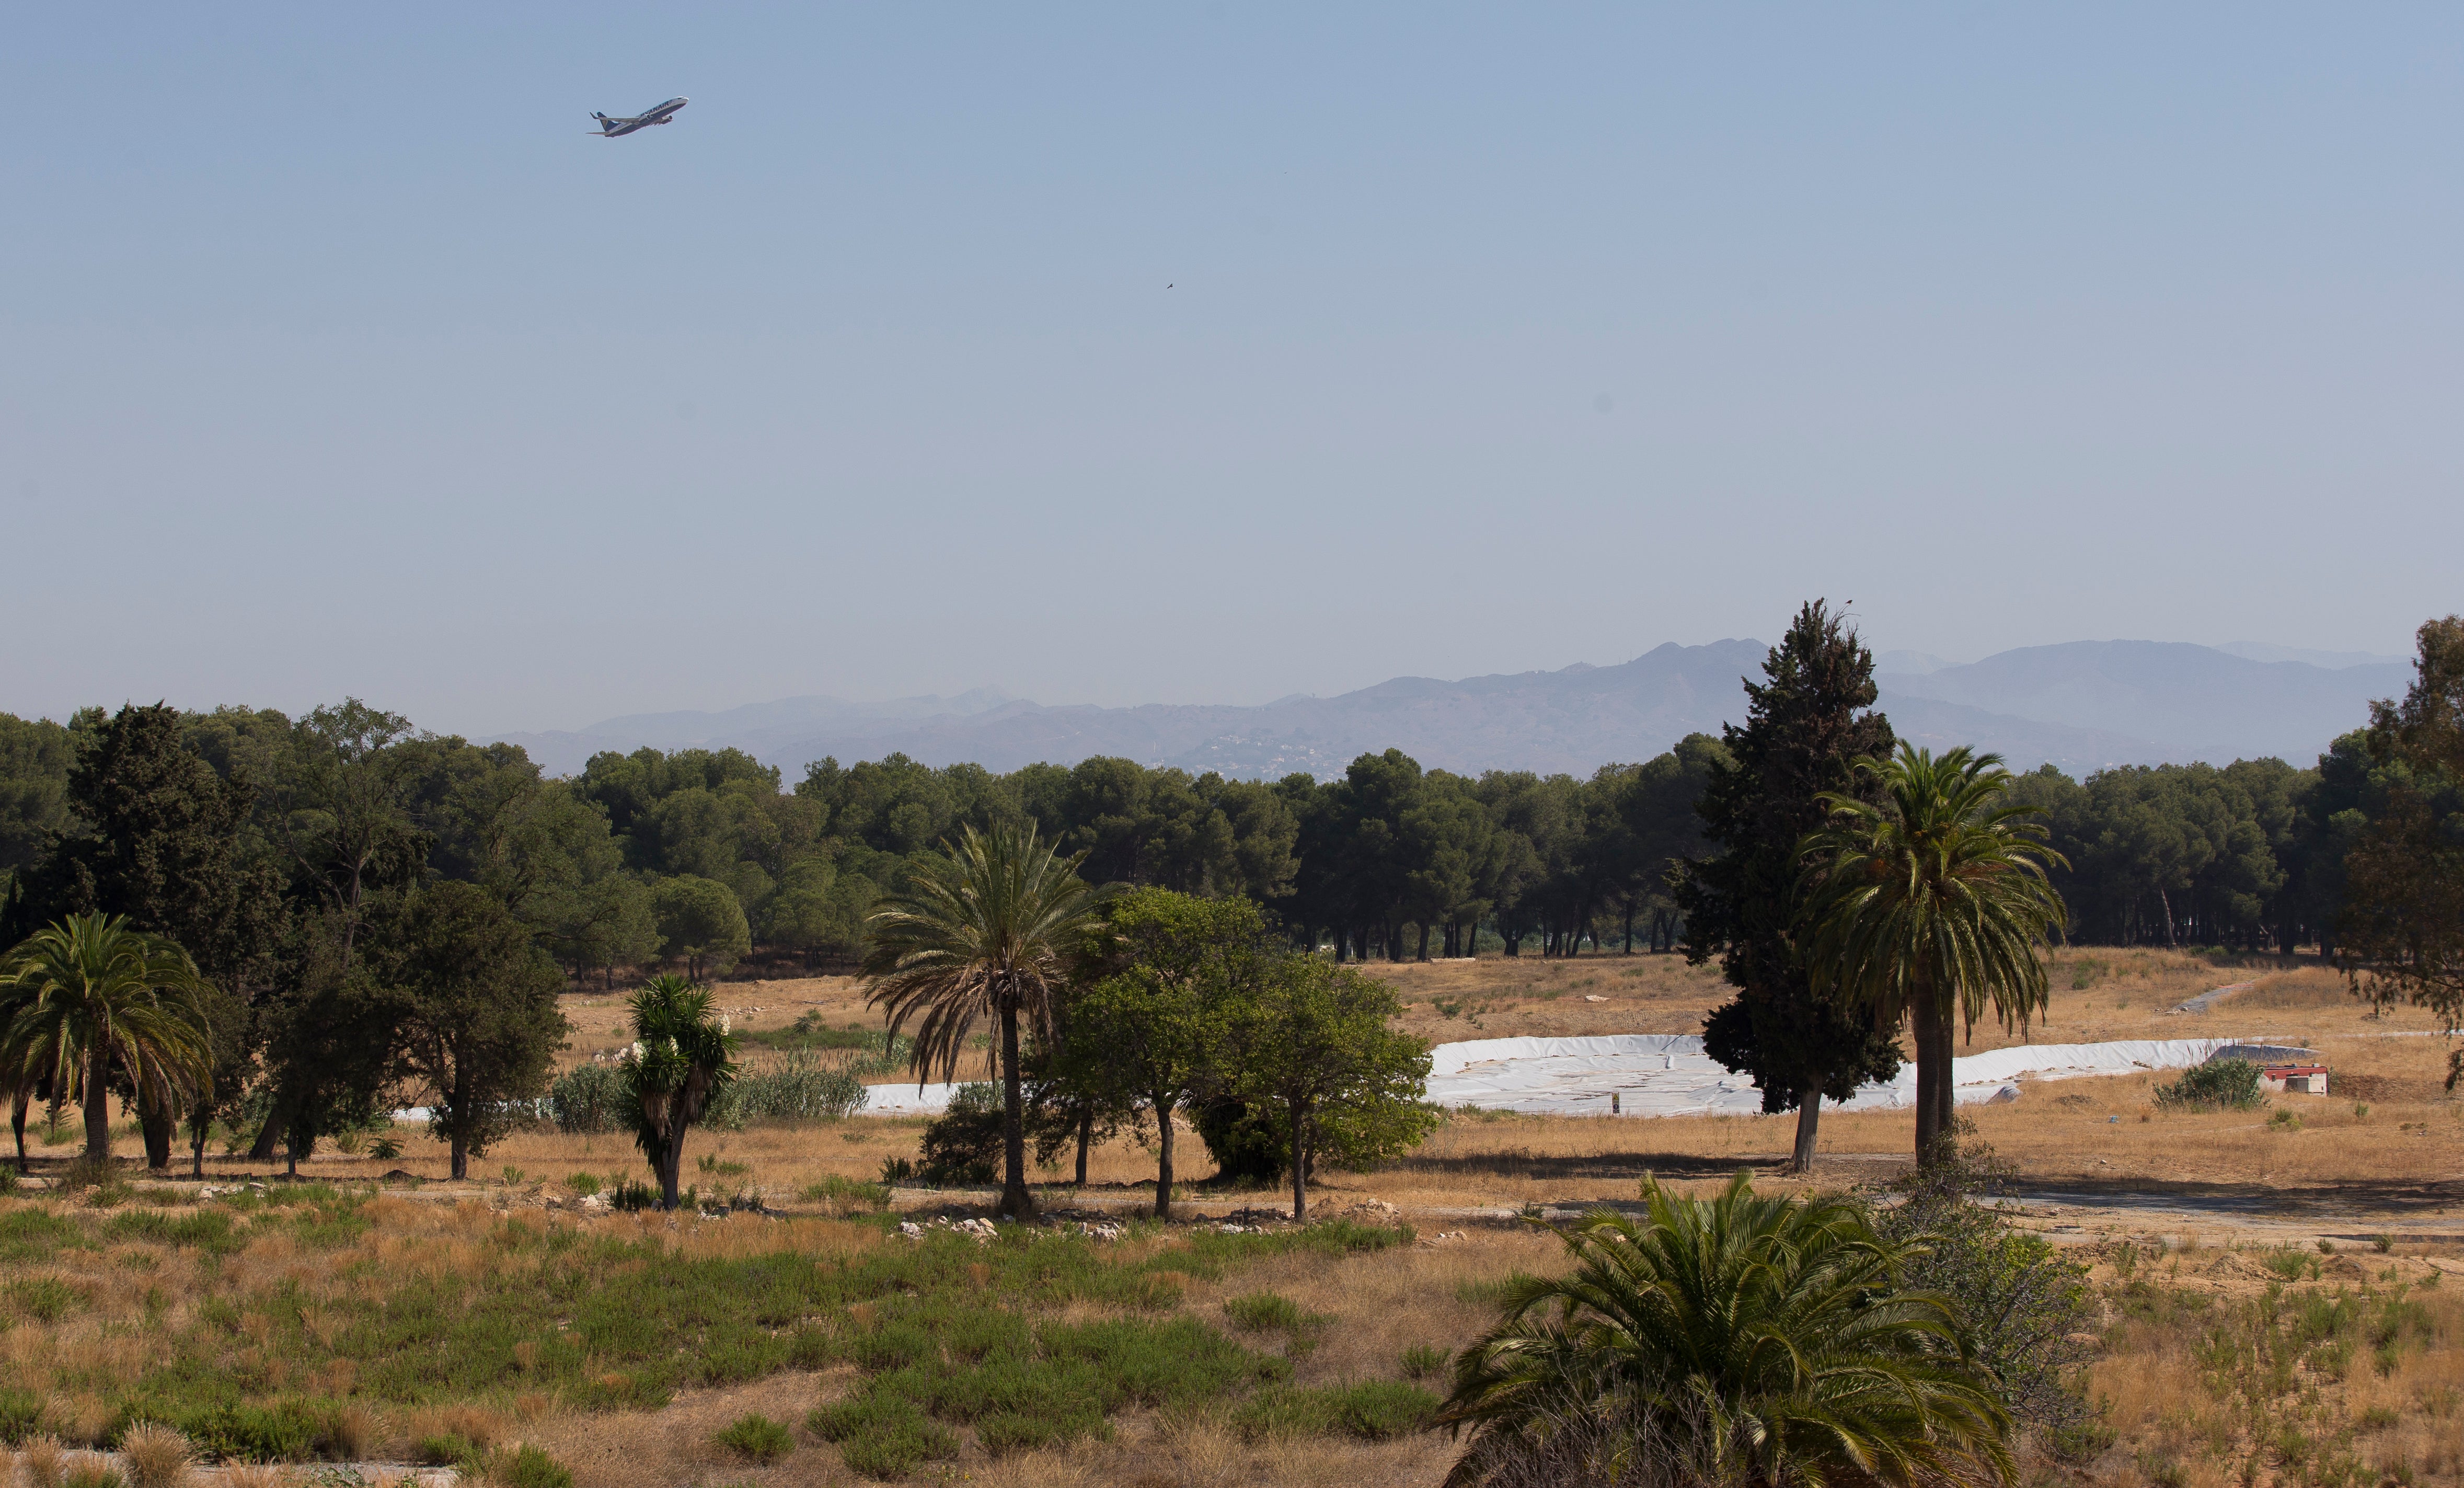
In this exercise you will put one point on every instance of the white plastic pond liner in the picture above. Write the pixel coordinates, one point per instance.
(906, 1100)
(1668, 1075)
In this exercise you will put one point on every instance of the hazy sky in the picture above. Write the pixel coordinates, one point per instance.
(1159, 353)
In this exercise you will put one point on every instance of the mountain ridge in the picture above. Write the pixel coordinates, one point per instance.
(2081, 706)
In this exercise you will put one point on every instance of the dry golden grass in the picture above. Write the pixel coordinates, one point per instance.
(2342, 1172)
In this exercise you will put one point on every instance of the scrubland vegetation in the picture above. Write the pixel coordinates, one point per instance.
(267, 936)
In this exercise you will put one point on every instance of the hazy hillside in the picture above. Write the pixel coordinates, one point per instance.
(2080, 707)
(2196, 702)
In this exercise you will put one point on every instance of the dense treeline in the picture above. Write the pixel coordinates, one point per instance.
(707, 856)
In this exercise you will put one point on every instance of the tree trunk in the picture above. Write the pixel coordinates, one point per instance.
(97, 1108)
(261, 1150)
(1085, 1140)
(294, 1144)
(1930, 1074)
(158, 1126)
(1299, 1168)
(1946, 1115)
(671, 1156)
(1014, 1201)
(1629, 930)
(197, 1150)
(461, 1142)
(17, 1118)
(1425, 941)
(1163, 1159)
(1809, 1123)
(2172, 943)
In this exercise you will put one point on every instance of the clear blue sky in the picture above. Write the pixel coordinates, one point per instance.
(340, 359)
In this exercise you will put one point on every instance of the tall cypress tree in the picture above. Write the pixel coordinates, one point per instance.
(1805, 724)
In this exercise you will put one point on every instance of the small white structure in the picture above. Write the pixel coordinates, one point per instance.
(2294, 1079)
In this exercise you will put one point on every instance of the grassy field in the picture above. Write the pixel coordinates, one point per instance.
(409, 1319)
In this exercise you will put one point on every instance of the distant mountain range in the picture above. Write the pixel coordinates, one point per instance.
(2079, 706)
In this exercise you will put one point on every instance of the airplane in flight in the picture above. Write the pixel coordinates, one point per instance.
(664, 113)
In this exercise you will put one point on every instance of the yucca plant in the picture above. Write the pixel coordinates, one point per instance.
(683, 1056)
(1738, 1339)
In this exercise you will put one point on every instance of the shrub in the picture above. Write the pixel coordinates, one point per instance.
(588, 1100)
(797, 1089)
(92, 1472)
(1256, 1312)
(448, 1448)
(41, 1457)
(2217, 1085)
(528, 1467)
(1423, 1361)
(1372, 1410)
(963, 1145)
(156, 1455)
(2026, 1303)
(882, 1436)
(585, 1185)
(835, 1190)
(21, 1413)
(47, 1298)
(632, 1194)
(757, 1438)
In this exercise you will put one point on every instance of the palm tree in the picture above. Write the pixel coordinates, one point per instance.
(1730, 1341)
(1935, 900)
(683, 1056)
(88, 994)
(989, 927)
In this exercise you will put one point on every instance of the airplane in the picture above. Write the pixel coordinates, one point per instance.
(664, 113)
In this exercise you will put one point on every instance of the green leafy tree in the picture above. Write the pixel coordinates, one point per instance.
(1734, 1340)
(702, 920)
(2403, 911)
(478, 1024)
(1150, 1033)
(1806, 723)
(1931, 905)
(91, 995)
(162, 839)
(34, 759)
(1312, 1044)
(988, 928)
(683, 1056)
(341, 812)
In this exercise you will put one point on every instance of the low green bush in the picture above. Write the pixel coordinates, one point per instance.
(1372, 1410)
(1424, 1361)
(589, 1099)
(448, 1449)
(21, 1414)
(835, 1190)
(1258, 1311)
(757, 1438)
(882, 1436)
(527, 1467)
(963, 1145)
(2217, 1085)
(798, 1088)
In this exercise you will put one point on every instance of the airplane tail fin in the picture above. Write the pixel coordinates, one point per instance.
(602, 117)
